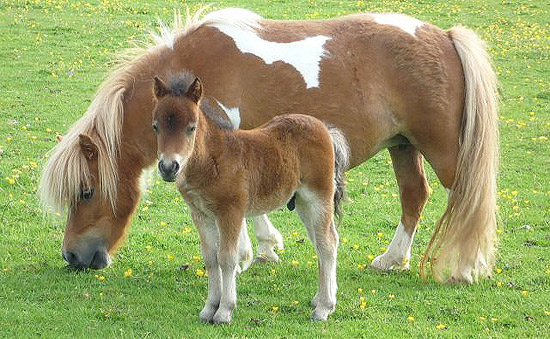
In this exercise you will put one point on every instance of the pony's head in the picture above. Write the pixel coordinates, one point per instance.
(175, 121)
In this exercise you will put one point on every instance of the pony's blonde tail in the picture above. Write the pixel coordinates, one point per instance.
(463, 245)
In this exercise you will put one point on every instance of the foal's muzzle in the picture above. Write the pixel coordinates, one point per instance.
(168, 169)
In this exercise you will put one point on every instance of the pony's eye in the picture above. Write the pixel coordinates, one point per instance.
(86, 194)
(191, 129)
(156, 128)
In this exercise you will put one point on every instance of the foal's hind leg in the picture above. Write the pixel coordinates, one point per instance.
(413, 192)
(246, 256)
(268, 237)
(316, 213)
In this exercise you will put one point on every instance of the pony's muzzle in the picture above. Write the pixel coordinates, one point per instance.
(168, 169)
(97, 259)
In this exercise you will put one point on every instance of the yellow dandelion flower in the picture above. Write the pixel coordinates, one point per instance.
(169, 257)
(100, 277)
(128, 273)
(361, 266)
(363, 305)
(187, 230)
(499, 283)
(275, 309)
(355, 247)
(382, 249)
(391, 296)
(345, 240)
(373, 292)
(281, 250)
(370, 257)
(295, 263)
(8, 138)
(196, 258)
(498, 270)
(49, 130)
(482, 318)
(150, 262)
(295, 302)
(162, 223)
(309, 263)
(441, 326)
(547, 313)
(145, 208)
(410, 319)
(494, 319)
(148, 247)
(380, 234)
(272, 271)
(524, 292)
(199, 272)
(10, 181)
(359, 290)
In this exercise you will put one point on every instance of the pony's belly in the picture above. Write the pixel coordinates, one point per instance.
(265, 205)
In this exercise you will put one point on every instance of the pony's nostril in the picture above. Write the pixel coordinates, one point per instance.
(71, 258)
(175, 166)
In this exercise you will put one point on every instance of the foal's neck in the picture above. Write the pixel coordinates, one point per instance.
(208, 142)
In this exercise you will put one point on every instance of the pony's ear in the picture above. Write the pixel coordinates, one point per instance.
(88, 147)
(159, 88)
(194, 92)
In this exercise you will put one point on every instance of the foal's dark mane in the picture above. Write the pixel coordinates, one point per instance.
(179, 84)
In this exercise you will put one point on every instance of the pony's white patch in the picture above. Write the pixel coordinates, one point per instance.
(398, 252)
(304, 55)
(406, 23)
(233, 114)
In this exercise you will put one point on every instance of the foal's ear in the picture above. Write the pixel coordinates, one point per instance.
(88, 147)
(194, 92)
(159, 88)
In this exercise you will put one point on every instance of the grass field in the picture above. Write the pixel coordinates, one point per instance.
(54, 54)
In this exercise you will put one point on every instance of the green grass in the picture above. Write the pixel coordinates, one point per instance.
(54, 54)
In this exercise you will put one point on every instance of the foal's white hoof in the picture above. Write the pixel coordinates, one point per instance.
(207, 313)
(222, 316)
(321, 314)
(386, 263)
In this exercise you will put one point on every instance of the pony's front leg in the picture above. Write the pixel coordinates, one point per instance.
(268, 237)
(228, 258)
(208, 232)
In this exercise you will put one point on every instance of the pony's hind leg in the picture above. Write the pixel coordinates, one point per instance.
(413, 192)
(268, 237)
(316, 213)
(246, 256)
(208, 233)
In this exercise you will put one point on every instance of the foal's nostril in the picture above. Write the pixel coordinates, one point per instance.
(175, 166)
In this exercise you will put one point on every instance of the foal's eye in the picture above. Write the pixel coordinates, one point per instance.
(156, 128)
(86, 194)
(191, 129)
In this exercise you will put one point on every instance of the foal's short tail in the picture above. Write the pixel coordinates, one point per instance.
(463, 245)
(341, 163)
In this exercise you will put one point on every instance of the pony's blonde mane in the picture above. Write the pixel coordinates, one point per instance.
(66, 173)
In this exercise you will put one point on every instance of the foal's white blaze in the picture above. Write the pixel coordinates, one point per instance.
(304, 55)
(398, 253)
(233, 114)
(406, 23)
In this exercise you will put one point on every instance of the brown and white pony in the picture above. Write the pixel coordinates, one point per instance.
(385, 80)
(225, 175)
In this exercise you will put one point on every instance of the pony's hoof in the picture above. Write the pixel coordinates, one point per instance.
(320, 314)
(207, 313)
(267, 254)
(222, 317)
(385, 263)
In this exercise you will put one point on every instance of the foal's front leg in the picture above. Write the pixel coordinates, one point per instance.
(229, 229)
(208, 232)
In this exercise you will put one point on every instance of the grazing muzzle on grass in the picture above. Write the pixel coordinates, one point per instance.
(93, 254)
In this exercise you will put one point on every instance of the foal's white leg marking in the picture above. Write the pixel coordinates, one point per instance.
(233, 114)
(228, 261)
(246, 255)
(268, 237)
(406, 23)
(313, 212)
(398, 253)
(304, 55)
(209, 234)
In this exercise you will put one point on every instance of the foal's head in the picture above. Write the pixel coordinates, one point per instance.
(175, 120)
